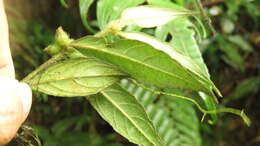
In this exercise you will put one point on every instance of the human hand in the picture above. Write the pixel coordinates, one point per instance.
(15, 97)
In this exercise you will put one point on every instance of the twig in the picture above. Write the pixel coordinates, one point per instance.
(204, 111)
(205, 17)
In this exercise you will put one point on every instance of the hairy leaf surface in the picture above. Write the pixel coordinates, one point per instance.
(143, 62)
(76, 77)
(124, 113)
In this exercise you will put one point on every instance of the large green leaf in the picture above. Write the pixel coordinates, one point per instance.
(185, 61)
(75, 77)
(182, 34)
(83, 8)
(144, 63)
(174, 53)
(174, 119)
(108, 10)
(124, 113)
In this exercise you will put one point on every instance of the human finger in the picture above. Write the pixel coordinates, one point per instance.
(6, 63)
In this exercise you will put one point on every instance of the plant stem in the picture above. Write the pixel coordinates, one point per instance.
(208, 3)
(204, 111)
(205, 16)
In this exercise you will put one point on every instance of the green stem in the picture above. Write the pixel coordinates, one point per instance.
(205, 16)
(204, 111)
(54, 59)
(64, 4)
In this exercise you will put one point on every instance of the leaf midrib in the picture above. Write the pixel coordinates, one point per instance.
(77, 77)
(129, 118)
(134, 60)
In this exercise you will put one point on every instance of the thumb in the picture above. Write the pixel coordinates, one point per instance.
(25, 93)
(15, 102)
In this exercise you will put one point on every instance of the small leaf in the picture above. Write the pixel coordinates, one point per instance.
(249, 85)
(83, 8)
(151, 16)
(75, 77)
(124, 113)
(145, 63)
(210, 105)
(239, 41)
(232, 56)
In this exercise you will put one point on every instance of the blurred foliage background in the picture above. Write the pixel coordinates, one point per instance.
(232, 56)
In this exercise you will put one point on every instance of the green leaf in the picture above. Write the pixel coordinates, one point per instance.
(144, 63)
(239, 41)
(232, 56)
(75, 77)
(210, 105)
(182, 35)
(83, 8)
(108, 10)
(174, 119)
(185, 61)
(245, 87)
(183, 39)
(124, 113)
(151, 16)
(165, 3)
(186, 123)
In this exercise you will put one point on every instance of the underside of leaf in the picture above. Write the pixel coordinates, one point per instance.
(76, 77)
(126, 116)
